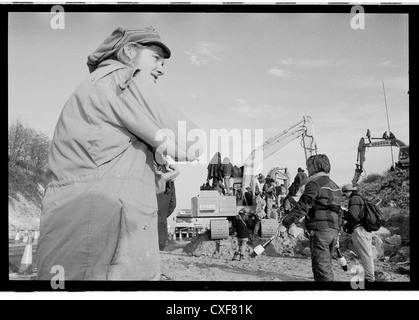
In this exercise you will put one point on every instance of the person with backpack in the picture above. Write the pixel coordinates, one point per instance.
(361, 238)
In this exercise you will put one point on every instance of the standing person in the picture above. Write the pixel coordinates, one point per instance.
(242, 230)
(248, 196)
(299, 181)
(166, 198)
(259, 214)
(99, 211)
(361, 238)
(320, 205)
(226, 169)
(214, 170)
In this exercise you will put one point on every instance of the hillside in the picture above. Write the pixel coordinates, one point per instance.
(393, 189)
(25, 196)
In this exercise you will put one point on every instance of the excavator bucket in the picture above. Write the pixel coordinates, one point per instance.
(357, 175)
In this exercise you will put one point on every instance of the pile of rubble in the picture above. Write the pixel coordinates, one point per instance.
(288, 243)
(203, 246)
(388, 248)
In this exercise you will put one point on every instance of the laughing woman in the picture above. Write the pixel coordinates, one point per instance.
(99, 212)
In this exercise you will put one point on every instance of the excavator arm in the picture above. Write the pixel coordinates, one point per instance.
(363, 145)
(303, 129)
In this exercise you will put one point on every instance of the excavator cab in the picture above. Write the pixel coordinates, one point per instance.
(403, 157)
(385, 141)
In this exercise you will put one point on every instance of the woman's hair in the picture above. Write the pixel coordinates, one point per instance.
(319, 163)
(121, 56)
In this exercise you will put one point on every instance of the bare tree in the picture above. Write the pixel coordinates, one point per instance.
(19, 140)
(39, 151)
(28, 147)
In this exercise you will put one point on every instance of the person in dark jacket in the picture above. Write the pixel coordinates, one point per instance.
(320, 205)
(361, 239)
(299, 181)
(227, 169)
(166, 199)
(248, 195)
(214, 170)
(243, 234)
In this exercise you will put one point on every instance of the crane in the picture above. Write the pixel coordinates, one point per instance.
(304, 129)
(209, 204)
(385, 141)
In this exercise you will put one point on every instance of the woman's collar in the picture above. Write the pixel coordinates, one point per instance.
(318, 174)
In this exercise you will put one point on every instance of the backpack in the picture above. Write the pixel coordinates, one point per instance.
(372, 217)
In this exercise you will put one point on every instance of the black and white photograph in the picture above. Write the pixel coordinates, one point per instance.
(225, 147)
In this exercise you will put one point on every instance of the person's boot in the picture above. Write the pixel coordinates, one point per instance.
(241, 257)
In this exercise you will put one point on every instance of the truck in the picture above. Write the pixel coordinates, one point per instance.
(385, 141)
(210, 204)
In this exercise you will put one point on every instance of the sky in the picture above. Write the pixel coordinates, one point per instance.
(254, 71)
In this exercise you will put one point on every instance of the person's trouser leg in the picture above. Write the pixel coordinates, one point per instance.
(362, 241)
(162, 230)
(322, 244)
(243, 243)
(227, 184)
(257, 227)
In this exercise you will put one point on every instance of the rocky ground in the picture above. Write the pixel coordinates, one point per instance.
(206, 260)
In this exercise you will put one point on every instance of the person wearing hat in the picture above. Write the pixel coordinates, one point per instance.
(361, 239)
(299, 181)
(99, 211)
(242, 230)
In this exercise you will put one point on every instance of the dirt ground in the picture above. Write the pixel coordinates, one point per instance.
(178, 265)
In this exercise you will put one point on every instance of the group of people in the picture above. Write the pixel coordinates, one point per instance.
(320, 207)
(108, 178)
(221, 173)
(320, 212)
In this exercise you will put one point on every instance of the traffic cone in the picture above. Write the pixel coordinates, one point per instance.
(17, 237)
(35, 237)
(26, 263)
(25, 237)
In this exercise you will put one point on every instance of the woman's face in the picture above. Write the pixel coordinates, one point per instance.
(150, 60)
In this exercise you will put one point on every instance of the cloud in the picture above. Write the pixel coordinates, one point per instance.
(288, 61)
(204, 53)
(300, 63)
(310, 63)
(242, 107)
(318, 63)
(279, 73)
(384, 63)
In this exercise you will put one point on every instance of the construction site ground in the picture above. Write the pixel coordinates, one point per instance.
(198, 265)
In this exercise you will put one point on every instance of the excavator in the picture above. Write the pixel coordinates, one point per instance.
(210, 204)
(384, 141)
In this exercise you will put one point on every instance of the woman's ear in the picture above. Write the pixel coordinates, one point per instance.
(130, 51)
